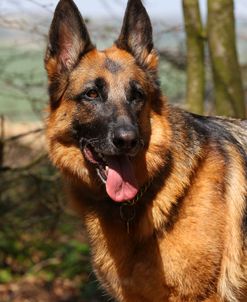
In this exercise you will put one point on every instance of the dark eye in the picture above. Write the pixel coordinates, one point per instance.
(138, 95)
(92, 94)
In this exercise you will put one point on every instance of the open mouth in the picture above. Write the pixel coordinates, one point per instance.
(116, 172)
(99, 161)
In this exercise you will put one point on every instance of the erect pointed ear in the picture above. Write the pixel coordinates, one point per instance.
(68, 38)
(136, 35)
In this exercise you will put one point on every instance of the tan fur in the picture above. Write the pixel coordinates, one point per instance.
(202, 241)
(186, 242)
(233, 271)
(195, 242)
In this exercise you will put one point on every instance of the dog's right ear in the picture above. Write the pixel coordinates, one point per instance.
(68, 39)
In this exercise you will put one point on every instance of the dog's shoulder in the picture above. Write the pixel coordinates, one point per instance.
(225, 129)
(220, 129)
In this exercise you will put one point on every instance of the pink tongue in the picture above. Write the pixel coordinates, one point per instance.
(121, 184)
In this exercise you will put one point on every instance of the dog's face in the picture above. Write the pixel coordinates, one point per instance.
(100, 101)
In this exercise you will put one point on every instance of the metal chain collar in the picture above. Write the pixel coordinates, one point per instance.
(128, 210)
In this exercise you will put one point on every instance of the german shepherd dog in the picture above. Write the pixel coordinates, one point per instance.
(162, 192)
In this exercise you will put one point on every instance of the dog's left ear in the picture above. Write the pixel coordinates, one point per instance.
(136, 35)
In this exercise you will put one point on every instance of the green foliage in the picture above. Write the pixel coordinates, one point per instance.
(36, 253)
(38, 238)
(5, 275)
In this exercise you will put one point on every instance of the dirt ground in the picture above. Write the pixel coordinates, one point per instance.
(33, 290)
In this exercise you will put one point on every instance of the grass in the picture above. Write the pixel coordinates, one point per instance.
(22, 84)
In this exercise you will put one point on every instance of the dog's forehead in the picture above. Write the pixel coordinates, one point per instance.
(116, 60)
(112, 64)
(113, 60)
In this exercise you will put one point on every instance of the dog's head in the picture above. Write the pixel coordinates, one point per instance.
(100, 101)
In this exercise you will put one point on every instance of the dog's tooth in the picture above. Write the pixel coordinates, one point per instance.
(106, 170)
(100, 176)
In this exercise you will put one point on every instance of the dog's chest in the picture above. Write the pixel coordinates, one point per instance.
(131, 273)
(139, 270)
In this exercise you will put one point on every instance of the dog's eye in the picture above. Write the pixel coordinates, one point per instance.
(92, 94)
(138, 94)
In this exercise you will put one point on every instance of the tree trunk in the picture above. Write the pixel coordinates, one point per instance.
(195, 56)
(229, 92)
(1, 141)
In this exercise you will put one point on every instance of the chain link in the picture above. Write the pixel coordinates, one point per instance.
(143, 190)
(129, 215)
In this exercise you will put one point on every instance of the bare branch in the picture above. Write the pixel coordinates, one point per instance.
(177, 59)
(16, 137)
(1, 140)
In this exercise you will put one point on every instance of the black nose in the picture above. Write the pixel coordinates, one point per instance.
(125, 138)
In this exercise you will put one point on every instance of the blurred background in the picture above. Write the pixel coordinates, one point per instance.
(44, 255)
